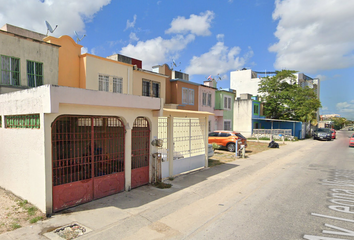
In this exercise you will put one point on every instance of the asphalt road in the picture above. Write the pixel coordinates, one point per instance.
(307, 194)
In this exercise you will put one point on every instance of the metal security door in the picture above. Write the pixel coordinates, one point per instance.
(140, 152)
(87, 158)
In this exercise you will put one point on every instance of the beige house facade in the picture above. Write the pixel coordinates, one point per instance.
(26, 62)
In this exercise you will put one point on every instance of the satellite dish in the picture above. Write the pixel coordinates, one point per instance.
(78, 39)
(49, 28)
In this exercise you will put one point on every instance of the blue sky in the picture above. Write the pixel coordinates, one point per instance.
(212, 37)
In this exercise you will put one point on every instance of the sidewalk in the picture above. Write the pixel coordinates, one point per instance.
(148, 212)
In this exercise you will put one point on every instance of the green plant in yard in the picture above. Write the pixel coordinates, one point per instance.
(22, 203)
(171, 178)
(36, 219)
(31, 210)
(15, 226)
(215, 146)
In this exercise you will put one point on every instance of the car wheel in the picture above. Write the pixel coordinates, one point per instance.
(231, 147)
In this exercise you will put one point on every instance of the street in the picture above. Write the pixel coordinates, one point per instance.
(302, 190)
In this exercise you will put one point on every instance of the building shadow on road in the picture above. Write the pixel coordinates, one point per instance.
(138, 197)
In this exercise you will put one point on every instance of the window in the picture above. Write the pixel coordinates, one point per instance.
(188, 96)
(213, 134)
(227, 125)
(255, 109)
(10, 71)
(22, 121)
(209, 99)
(117, 85)
(155, 89)
(204, 100)
(151, 89)
(103, 83)
(34, 73)
(222, 134)
(227, 102)
(146, 88)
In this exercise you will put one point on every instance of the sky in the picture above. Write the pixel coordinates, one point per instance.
(206, 38)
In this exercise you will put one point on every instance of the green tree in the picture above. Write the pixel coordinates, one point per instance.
(286, 100)
(339, 122)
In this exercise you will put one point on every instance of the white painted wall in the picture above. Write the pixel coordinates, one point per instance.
(22, 153)
(183, 165)
(25, 157)
(243, 117)
(242, 82)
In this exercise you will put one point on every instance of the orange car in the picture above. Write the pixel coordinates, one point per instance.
(227, 139)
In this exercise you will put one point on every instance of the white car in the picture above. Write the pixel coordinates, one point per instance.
(176, 155)
(210, 150)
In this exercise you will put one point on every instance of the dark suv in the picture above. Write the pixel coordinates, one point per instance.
(323, 134)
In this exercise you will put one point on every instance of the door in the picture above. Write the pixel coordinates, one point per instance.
(140, 152)
(87, 159)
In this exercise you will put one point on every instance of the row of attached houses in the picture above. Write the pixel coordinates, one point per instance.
(77, 127)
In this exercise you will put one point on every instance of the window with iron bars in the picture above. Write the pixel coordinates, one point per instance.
(22, 121)
(103, 83)
(10, 71)
(151, 88)
(118, 85)
(34, 73)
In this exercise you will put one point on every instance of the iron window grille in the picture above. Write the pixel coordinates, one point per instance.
(209, 99)
(187, 96)
(34, 73)
(256, 109)
(10, 71)
(227, 102)
(151, 88)
(103, 83)
(118, 85)
(227, 125)
(204, 100)
(22, 121)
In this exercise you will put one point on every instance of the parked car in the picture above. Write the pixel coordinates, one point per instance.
(210, 150)
(323, 134)
(176, 155)
(350, 129)
(351, 141)
(334, 133)
(226, 139)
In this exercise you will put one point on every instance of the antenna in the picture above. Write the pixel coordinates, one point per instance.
(78, 39)
(173, 64)
(49, 28)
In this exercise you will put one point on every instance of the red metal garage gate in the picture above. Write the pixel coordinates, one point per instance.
(88, 159)
(140, 152)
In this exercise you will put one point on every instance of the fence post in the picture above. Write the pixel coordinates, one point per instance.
(236, 148)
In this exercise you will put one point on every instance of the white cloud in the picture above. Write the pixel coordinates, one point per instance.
(133, 37)
(324, 108)
(84, 50)
(69, 15)
(321, 77)
(218, 60)
(346, 108)
(131, 24)
(157, 50)
(196, 24)
(314, 35)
